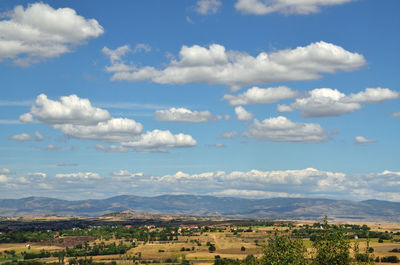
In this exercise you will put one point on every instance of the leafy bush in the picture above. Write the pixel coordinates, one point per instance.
(283, 249)
(212, 248)
(363, 257)
(331, 246)
(390, 259)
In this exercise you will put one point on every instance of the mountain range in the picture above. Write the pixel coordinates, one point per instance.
(191, 205)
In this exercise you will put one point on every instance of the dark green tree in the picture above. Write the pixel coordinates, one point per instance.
(284, 250)
(331, 246)
(212, 248)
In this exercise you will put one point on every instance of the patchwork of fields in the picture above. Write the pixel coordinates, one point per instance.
(184, 243)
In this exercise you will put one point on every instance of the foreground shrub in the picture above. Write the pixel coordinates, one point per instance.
(390, 259)
(283, 249)
(331, 246)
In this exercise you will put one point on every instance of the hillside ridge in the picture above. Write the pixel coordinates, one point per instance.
(199, 205)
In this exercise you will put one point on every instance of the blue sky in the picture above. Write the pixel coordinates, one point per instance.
(249, 98)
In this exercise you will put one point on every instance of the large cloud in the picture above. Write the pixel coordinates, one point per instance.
(68, 110)
(374, 95)
(158, 141)
(113, 130)
(303, 7)
(256, 95)
(308, 182)
(215, 65)
(182, 115)
(281, 129)
(40, 32)
(323, 102)
(77, 118)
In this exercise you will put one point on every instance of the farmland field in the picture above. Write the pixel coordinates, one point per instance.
(197, 244)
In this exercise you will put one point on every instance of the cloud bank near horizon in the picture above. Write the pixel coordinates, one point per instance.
(309, 182)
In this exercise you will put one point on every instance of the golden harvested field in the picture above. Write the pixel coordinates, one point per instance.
(18, 247)
(195, 248)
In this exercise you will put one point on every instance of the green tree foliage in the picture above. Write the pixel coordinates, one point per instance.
(211, 248)
(25, 236)
(250, 260)
(73, 261)
(363, 258)
(390, 259)
(331, 246)
(284, 250)
(226, 261)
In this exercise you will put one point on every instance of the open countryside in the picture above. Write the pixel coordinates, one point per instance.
(213, 241)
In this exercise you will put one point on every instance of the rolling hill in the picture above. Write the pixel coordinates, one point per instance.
(191, 205)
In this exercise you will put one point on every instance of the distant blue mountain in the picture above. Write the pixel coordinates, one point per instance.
(191, 205)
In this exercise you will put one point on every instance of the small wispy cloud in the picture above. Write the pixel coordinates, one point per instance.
(363, 140)
(10, 122)
(16, 103)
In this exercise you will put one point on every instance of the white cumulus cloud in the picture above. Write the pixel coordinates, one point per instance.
(26, 118)
(70, 109)
(242, 114)
(23, 137)
(112, 130)
(158, 141)
(256, 95)
(182, 115)
(39, 31)
(252, 183)
(215, 65)
(363, 140)
(302, 7)
(282, 108)
(374, 95)
(281, 129)
(76, 118)
(323, 102)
